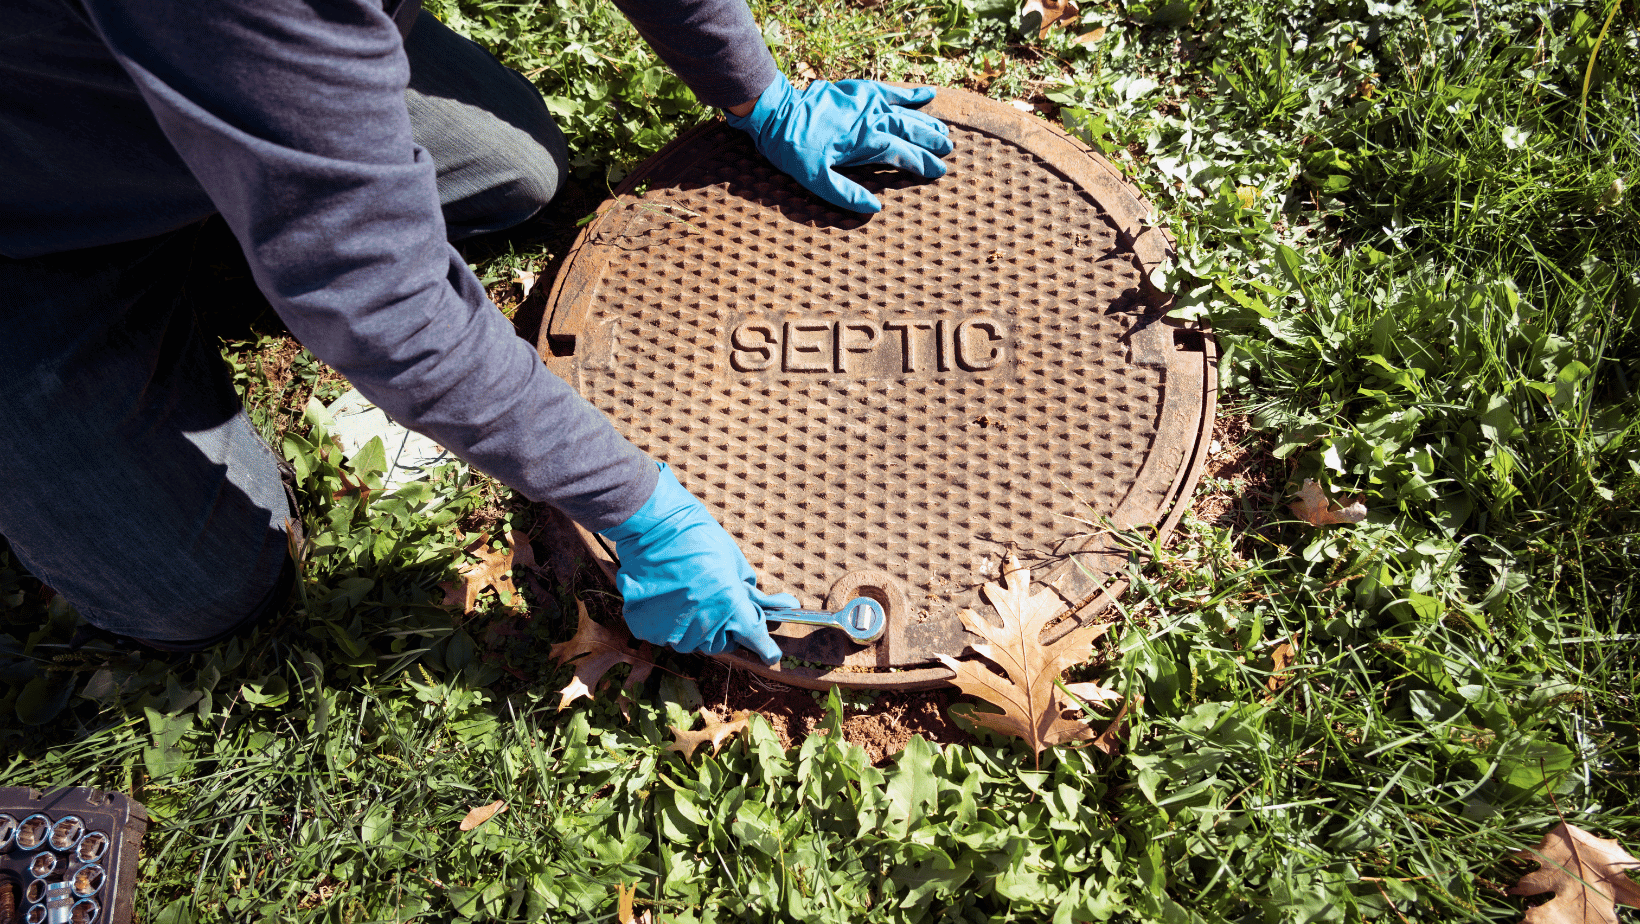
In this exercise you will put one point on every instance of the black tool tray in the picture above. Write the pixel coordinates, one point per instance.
(82, 841)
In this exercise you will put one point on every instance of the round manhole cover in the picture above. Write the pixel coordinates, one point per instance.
(891, 405)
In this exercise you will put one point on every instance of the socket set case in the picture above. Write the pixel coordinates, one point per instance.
(68, 856)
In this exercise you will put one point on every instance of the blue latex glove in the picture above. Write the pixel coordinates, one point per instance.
(684, 580)
(829, 125)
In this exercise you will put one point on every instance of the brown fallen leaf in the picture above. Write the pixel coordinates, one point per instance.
(493, 569)
(1313, 507)
(523, 552)
(1032, 706)
(349, 486)
(713, 732)
(482, 814)
(528, 568)
(602, 648)
(1109, 740)
(1092, 36)
(1586, 873)
(1093, 693)
(1282, 658)
(623, 902)
(1043, 15)
(989, 69)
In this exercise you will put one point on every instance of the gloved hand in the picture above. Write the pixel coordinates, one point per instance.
(829, 125)
(684, 580)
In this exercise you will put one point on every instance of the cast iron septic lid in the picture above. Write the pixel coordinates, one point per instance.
(891, 405)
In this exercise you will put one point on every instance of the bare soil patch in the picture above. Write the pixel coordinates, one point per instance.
(1243, 480)
(882, 728)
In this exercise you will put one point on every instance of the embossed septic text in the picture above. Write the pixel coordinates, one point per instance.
(861, 347)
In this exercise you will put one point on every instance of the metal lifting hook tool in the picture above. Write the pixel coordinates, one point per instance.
(862, 618)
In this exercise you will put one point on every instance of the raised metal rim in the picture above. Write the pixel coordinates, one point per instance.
(575, 290)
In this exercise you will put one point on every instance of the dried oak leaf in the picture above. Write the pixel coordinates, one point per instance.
(713, 732)
(1042, 15)
(349, 486)
(523, 552)
(988, 71)
(1586, 873)
(1032, 706)
(492, 569)
(1313, 507)
(1110, 739)
(1093, 693)
(482, 814)
(602, 648)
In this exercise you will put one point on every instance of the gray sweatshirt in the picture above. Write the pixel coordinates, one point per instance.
(125, 119)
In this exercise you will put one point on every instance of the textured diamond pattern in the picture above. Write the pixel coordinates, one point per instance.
(918, 475)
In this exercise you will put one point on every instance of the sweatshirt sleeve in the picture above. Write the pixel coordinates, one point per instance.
(291, 115)
(715, 46)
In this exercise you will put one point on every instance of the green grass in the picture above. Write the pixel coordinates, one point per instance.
(1416, 239)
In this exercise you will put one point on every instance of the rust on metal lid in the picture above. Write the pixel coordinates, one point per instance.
(890, 405)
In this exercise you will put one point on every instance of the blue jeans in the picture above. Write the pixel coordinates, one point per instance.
(131, 480)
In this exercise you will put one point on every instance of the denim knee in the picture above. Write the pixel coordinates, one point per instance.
(130, 479)
(540, 166)
(500, 157)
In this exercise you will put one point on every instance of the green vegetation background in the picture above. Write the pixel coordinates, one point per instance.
(1412, 226)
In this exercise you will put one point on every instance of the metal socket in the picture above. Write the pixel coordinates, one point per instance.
(88, 879)
(32, 831)
(92, 847)
(67, 832)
